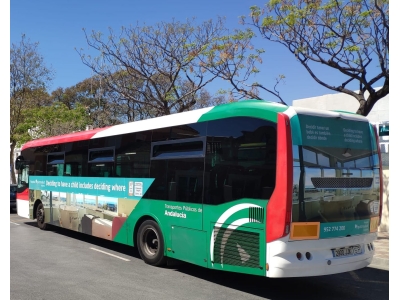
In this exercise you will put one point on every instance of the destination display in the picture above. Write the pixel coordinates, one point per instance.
(330, 132)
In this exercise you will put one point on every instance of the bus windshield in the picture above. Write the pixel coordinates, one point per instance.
(336, 175)
(334, 190)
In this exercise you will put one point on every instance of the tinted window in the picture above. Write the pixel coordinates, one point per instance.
(101, 162)
(240, 159)
(179, 132)
(133, 155)
(55, 158)
(384, 130)
(193, 147)
(177, 163)
(101, 169)
(177, 180)
(101, 155)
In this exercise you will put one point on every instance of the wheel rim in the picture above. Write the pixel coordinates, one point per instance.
(40, 215)
(150, 242)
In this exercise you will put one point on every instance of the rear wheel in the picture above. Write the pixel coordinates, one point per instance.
(40, 216)
(150, 243)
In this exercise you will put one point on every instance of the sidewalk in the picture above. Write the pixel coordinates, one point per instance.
(381, 257)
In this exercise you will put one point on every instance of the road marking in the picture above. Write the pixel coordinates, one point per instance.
(110, 254)
(14, 223)
(357, 278)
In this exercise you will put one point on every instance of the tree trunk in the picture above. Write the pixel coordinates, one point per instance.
(12, 170)
(361, 108)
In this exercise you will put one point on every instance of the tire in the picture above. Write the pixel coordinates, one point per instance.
(40, 217)
(150, 243)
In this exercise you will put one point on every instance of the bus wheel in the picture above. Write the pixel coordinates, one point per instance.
(40, 216)
(150, 243)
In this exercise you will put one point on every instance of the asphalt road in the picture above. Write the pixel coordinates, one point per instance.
(59, 264)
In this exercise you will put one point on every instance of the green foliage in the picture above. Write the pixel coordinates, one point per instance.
(332, 44)
(268, 21)
(273, 3)
(29, 79)
(331, 5)
(365, 14)
(255, 11)
(291, 19)
(51, 120)
(352, 48)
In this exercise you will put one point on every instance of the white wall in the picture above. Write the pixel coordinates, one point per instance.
(340, 101)
(384, 227)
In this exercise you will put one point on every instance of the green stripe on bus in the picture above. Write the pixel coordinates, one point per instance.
(248, 108)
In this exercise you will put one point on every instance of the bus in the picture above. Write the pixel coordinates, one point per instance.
(252, 187)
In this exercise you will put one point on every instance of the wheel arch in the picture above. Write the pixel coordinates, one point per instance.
(149, 250)
(37, 202)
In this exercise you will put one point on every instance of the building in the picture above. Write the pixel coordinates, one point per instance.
(340, 101)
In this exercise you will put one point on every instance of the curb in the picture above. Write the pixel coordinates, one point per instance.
(380, 263)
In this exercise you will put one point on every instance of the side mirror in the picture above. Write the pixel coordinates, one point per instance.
(19, 162)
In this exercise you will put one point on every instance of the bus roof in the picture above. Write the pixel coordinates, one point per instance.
(248, 108)
(65, 138)
(253, 108)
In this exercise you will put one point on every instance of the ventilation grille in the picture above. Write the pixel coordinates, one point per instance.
(236, 248)
(340, 183)
(256, 214)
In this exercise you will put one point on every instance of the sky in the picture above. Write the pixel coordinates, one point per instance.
(57, 26)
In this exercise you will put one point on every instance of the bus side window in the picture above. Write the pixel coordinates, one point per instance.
(241, 158)
(178, 169)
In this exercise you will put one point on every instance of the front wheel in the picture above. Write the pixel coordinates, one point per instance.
(150, 243)
(40, 216)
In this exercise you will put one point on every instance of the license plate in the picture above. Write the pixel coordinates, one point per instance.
(347, 251)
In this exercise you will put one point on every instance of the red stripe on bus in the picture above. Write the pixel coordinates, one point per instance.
(66, 138)
(23, 195)
(279, 207)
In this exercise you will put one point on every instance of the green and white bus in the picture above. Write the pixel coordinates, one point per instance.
(252, 187)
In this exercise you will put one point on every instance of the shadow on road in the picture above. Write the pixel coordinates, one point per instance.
(367, 283)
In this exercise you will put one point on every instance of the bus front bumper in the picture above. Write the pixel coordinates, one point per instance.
(290, 258)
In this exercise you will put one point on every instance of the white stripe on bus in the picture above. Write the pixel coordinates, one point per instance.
(154, 123)
(221, 220)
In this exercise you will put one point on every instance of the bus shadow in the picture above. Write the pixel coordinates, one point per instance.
(366, 283)
(110, 245)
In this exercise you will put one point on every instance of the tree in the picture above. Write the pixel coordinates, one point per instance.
(54, 119)
(157, 69)
(29, 79)
(350, 37)
(90, 94)
(233, 58)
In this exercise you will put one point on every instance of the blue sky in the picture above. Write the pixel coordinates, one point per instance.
(57, 26)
